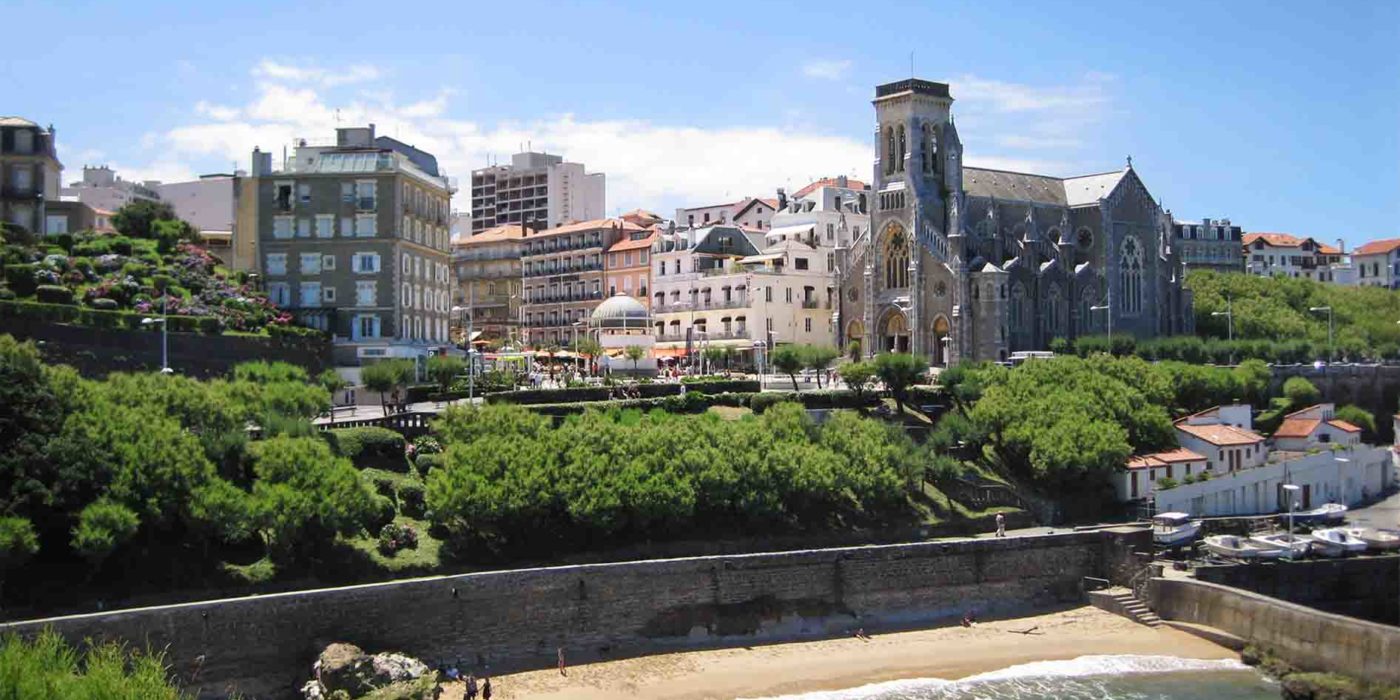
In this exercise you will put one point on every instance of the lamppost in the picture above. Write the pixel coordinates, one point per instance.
(1291, 490)
(471, 359)
(1229, 315)
(1331, 349)
(164, 334)
(1107, 306)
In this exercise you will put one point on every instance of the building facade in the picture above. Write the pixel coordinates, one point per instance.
(975, 263)
(562, 276)
(487, 269)
(29, 173)
(1213, 244)
(352, 238)
(1282, 254)
(101, 188)
(627, 266)
(207, 203)
(1377, 264)
(750, 212)
(538, 190)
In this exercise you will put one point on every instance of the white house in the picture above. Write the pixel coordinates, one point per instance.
(1344, 476)
(1315, 426)
(1225, 436)
(1143, 472)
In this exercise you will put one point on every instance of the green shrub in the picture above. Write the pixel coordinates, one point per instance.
(689, 402)
(369, 447)
(394, 537)
(835, 398)
(1166, 483)
(761, 402)
(20, 278)
(427, 462)
(47, 668)
(104, 304)
(53, 294)
(411, 498)
(6, 293)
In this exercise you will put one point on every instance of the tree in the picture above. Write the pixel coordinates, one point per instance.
(138, 219)
(817, 358)
(635, 353)
(590, 348)
(853, 350)
(1358, 417)
(384, 376)
(963, 382)
(331, 381)
(899, 371)
(445, 368)
(857, 376)
(102, 527)
(1300, 392)
(18, 542)
(1254, 377)
(789, 360)
(305, 494)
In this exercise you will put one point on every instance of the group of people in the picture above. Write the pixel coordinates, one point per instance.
(473, 688)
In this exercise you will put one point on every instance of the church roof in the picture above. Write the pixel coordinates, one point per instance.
(1043, 189)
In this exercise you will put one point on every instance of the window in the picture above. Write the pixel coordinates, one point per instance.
(365, 225)
(280, 293)
(366, 326)
(24, 141)
(366, 262)
(325, 226)
(328, 295)
(281, 227)
(406, 299)
(903, 148)
(365, 191)
(23, 178)
(327, 262)
(310, 294)
(304, 193)
(788, 295)
(310, 263)
(347, 192)
(54, 223)
(407, 265)
(896, 259)
(768, 294)
(276, 263)
(642, 257)
(830, 232)
(807, 324)
(282, 196)
(366, 293)
(1130, 273)
(1018, 306)
(830, 262)
(303, 228)
(800, 263)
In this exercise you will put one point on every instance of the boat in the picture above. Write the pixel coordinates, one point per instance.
(1325, 513)
(1288, 546)
(1174, 529)
(1377, 539)
(1336, 542)
(1236, 547)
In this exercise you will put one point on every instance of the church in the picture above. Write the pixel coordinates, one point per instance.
(971, 263)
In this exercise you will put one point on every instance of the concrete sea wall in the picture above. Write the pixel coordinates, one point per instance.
(263, 646)
(1310, 639)
(1364, 587)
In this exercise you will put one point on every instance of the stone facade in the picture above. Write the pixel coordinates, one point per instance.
(964, 262)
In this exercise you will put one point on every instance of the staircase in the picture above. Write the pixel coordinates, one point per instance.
(1121, 601)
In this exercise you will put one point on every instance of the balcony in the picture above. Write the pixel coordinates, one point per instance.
(699, 336)
(814, 304)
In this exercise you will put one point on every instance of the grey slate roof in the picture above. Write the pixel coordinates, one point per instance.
(1089, 189)
(1043, 189)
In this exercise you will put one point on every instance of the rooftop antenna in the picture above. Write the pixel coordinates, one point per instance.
(911, 65)
(337, 116)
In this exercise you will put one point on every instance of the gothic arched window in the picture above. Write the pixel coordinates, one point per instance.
(896, 259)
(1054, 306)
(927, 156)
(1018, 306)
(903, 149)
(1130, 275)
(889, 150)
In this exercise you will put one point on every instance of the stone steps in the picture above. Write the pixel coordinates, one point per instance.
(1121, 601)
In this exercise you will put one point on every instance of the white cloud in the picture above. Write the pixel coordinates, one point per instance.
(288, 73)
(827, 69)
(652, 165)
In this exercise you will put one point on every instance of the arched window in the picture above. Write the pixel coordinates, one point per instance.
(1054, 306)
(1018, 306)
(1086, 315)
(889, 150)
(926, 156)
(903, 149)
(896, 259)
(1130, 276)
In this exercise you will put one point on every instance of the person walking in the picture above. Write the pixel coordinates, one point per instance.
(563, 670)
(486, 688)
(1001, 525)
(471, 687)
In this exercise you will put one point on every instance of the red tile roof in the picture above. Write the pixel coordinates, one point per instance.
(1327, 249)
(1343, 425)
(594, 225)
(1377, 247)
(492, 235)
(1297, 427)
(633, 244)
(1162, 459)
(1220, 434)
(1278, 240)
(828, 182)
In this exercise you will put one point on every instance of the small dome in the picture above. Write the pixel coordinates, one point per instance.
(620, 307)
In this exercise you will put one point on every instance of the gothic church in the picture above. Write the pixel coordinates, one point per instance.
(970, 263)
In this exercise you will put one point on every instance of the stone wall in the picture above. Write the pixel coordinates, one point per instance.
(97, 351)
(1372, 387)
(1309, 639)
(263, 645)
(1362, 587)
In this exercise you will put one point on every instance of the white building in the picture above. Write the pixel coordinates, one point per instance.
(1272, 254)
(101, 188)
(1377, 264)
(1224, 468)
(537, 189)
(207, 204)
(750, 213)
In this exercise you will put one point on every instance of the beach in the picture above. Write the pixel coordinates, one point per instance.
(801, 667)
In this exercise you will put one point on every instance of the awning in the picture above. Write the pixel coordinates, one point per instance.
(761, 258)
(789, 231)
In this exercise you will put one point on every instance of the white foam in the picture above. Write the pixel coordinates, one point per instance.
(1083, 666)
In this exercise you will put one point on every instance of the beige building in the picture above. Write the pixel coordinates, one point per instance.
(102, 188)
(352, 238)
(29, 173)
(487, 270)
(562, 275)
(627, 267)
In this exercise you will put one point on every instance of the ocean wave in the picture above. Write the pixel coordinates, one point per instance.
(1080, 667)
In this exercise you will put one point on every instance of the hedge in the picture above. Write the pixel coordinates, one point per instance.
(99, 318)
(278, 331)
(53, 294)
(20, 278)
(603, 393)
(369, 447)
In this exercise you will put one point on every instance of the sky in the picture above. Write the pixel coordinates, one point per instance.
(1282, 116)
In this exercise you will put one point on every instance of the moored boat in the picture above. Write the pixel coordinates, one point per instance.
(1325, 513)
(1174, 529)
(1288, 546)
(1335, 538)
(1377, 539)
(1236, 547)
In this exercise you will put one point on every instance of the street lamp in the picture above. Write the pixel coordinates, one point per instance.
(1229, 314)
(1107, 306)
(471, 361)
(164, 342)
(1331, 349)
(1291, 490)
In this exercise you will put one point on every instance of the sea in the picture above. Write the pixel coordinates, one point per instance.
(1117, 677)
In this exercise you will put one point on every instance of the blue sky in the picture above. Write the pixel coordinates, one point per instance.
(1283, 116)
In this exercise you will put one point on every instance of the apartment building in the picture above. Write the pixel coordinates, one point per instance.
(627, 267)
(537, 189)
(207, 203)
(102, 188)
(487, 269)
(1269, 254)
(1377, 264)
(1212, 244)
(29, 172)
(352, 238)
(750, 213)
(562, 273)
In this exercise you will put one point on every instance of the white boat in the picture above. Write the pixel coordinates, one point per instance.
(1341, 538)
(1325, 513)
(1377, 539)
(1288, 546)
(1236, 547)
(1174, 529)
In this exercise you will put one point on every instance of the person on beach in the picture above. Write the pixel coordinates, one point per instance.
(486, 688)
(861, 635)
(1001, 525)
(471, 687)
(562, 670)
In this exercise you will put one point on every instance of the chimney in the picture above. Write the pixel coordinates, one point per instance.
(262, 163)
(841, 181)
(1341, 246)
(782, 199)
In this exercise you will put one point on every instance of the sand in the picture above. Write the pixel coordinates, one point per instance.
(780, 669)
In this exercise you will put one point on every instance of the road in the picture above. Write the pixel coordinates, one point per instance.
(1385, 513)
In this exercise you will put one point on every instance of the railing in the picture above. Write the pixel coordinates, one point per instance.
(813, 304)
